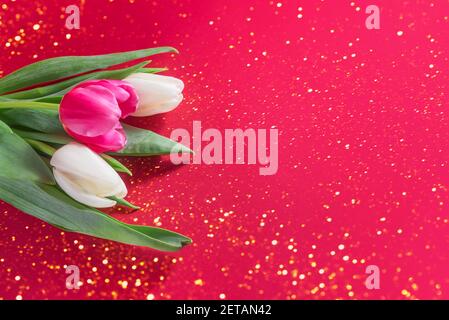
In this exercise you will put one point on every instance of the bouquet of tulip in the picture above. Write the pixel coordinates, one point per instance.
(60, 134)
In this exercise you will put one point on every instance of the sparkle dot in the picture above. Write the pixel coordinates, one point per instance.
(199, 282)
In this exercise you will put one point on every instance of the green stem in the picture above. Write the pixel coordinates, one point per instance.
(28, 105)
(40, 146)
(123, 202)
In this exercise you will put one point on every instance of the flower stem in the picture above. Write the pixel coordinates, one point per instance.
(40, 146)
(28, 105)
(123, 202)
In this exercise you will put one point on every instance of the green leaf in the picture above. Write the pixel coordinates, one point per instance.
(40, 120)
(57, 90)
(114, 163)
(4, 128)
(55, 138)
(152, 70)
(50, 99)
(143, 142)
(124, 203)
(18, 159)
(50, 204)
(64, 67)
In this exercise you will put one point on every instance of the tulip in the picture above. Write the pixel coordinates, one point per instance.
(157, 94)
(86, 177)
(91, 113)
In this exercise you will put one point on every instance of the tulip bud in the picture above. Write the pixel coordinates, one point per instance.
(91, 113)
(157, 94)
(86, 177)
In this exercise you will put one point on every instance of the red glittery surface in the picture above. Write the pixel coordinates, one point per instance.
(363, 152)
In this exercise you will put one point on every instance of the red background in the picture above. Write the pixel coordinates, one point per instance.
(363, 152)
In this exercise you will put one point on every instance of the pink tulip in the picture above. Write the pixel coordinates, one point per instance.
(92, 110)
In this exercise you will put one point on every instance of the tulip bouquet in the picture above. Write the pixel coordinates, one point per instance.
(61, 134)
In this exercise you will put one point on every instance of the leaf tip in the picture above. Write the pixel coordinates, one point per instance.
(182, 149)
(174, 50)
(186, 242)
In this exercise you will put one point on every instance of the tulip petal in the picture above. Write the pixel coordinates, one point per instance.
(79, 194)
(157, 78)
(113, 140)
(157, 108)
(157, 94)
(88, 170)
(89, 110)
(125, 94)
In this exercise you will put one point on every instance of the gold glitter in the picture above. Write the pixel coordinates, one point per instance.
(199, 282)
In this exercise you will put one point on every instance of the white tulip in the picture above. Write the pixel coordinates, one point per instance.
(157, 94)
(86, 177)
